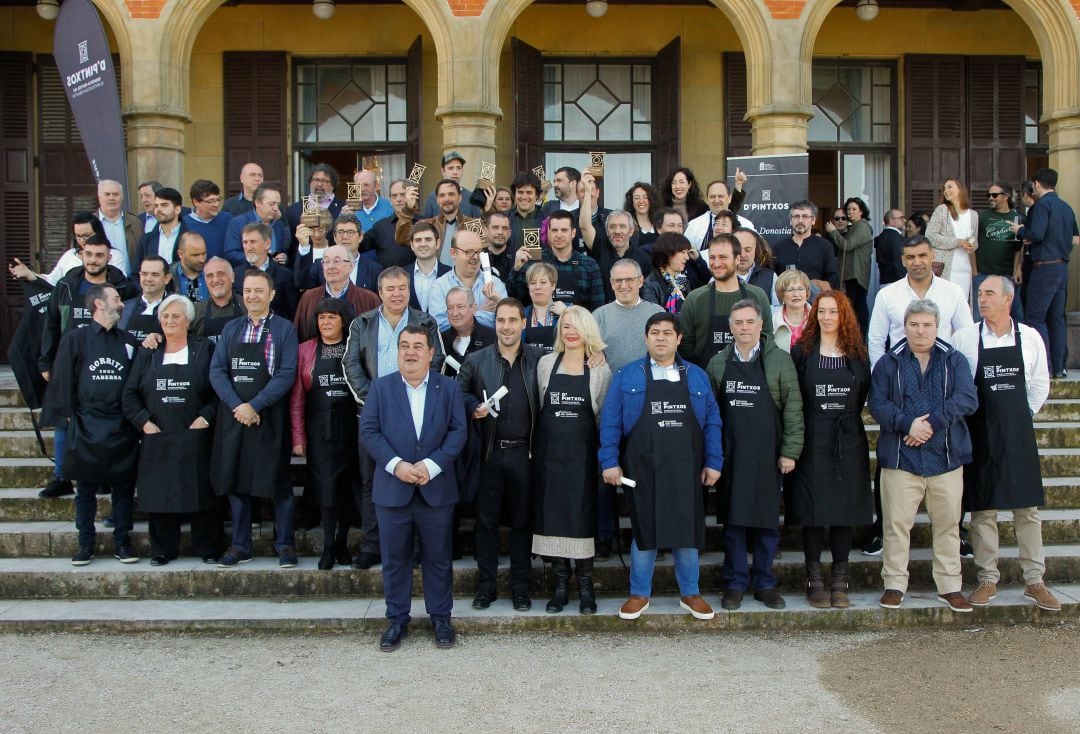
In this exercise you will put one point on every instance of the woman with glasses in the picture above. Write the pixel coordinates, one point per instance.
(953, 232)
(542, 314)
(791, 316)
(668, 284)
(830, 487)
(838, 221)
(855, 244)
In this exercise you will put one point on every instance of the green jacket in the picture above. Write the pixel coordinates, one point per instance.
(694, 318)
(783, 383)
(856, 249)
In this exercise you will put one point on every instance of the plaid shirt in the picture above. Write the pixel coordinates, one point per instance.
(253, 334)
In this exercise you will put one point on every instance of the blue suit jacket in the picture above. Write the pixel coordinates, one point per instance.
(234, 249)
(387, 430)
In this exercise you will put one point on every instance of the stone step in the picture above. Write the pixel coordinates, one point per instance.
(1048, 434)
(17, 419)
(60, 539)
(105, 577)
(368, 615)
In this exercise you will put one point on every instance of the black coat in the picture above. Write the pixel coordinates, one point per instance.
(483, 371)
(286, 295)
(67, 309)
(382, 238)
(887, 247)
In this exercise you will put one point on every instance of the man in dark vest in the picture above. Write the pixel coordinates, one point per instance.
(222, 306)
(660, 429)
(761, 403)
(85, 389)
(1008, 360)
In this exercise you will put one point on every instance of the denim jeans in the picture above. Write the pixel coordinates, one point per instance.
(59, 445)
(736, 572)
(1045, 309)
(241, 519)
(86, 512)
(642, 563)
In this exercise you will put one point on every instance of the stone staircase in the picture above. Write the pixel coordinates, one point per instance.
(39, 589)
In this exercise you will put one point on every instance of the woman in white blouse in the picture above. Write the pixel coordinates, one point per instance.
(954, 233)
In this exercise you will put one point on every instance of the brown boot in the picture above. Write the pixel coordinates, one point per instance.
(838, 588)
(815, 587)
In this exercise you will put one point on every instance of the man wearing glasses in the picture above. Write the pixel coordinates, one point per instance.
(1000, 252)
(206, 217)
(346, 232)
(806, 251)
(336, 266)
(487, 290)
(322, 183)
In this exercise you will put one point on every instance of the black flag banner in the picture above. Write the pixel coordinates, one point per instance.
(86, 67)
(772, 183)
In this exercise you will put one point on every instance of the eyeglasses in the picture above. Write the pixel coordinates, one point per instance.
(469, 253)
(994, 194)
(795, 289)
(335, 261)
(839, 219)
(321, 180)
(346, 233)
(83, 237)
(210, 200)
(624, 281)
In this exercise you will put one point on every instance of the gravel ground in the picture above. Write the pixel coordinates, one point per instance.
(910, 681)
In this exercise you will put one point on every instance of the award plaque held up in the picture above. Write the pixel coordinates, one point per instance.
(596, 164)
(310, 216)
(539, 172)
(415, 175)
(476, 226)
(353, 197)
(487, 175)
(530, 240)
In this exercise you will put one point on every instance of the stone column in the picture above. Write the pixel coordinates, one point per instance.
(471, 133)
(1064, 144)
(778, 86)
(156, 145)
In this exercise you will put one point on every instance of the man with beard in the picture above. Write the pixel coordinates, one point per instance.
(380, 239)
(256, 239)
(446, 223)
(322, 183)
(706, 314)
(267, 211)
(805, 251)
(611, 244)
(162, 239)
(498, 244)
(187, 271)
(85, 393)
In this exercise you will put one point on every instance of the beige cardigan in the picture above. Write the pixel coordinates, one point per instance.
(599, 380)
(943, 238)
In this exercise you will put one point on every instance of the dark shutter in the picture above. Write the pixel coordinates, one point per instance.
(935, 145)
(16, 182)
(67, 181)
(256, 85)
(665, 111)
(740, 137)
(996, 152)
(528, 106)
(414, 82)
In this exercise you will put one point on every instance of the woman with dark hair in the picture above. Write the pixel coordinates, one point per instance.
(324, 427)
(644, 203)
(830, 487)
(915, 225)
(953, 232)
(668, 284)
(681, 191)
(856, 247)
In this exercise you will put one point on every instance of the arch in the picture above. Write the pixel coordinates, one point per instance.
(117, 21)
(1054, 25)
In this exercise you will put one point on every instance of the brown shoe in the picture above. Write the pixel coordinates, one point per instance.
(891, 599)
(984, 592)
(1042, 597)
(697, 607)
(633, 607)
(956, 601)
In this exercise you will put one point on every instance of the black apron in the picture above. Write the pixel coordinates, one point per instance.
(750, 484)
(540, 336)
(831, 482)
(142, 325)
(664, 454)
(1005, 473)
(719, 327)
(251, 460)
(211, 327)
(101, 443)
(567, 288)
(331, 425)
(564, 458)
(174, 465)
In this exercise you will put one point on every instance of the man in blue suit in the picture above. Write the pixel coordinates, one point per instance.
(413, 426)
(266, 210)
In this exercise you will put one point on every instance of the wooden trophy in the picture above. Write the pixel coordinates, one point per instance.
(476, 226)
(539, 172)
(415, 175)
(596, 164)
(352, 199)
(487, 175)
(310, 216)
(530, 240)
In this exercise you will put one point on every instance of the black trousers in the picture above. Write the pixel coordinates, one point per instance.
(857, 294)
(206, 533)
(338, 518)
(504, 490)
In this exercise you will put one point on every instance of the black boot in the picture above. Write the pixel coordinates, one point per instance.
(838, 589)
(583, 568)
(326, 562)
(561, 568)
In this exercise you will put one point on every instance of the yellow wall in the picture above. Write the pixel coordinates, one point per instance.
(636, 31)
(21, 29)
(353, 31)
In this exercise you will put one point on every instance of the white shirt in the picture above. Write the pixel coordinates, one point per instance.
(1036, 371)
(179, 357)
(166, 242)
(417, 395)
(669, 373)
(422, 283)
(698, 227)
(117, 236)
(887, 318)
(149, 224)
(437, 298)
(752, 355)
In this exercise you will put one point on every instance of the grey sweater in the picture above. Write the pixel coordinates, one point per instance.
(623, 330)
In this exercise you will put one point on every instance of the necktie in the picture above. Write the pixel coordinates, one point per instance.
(708, 232)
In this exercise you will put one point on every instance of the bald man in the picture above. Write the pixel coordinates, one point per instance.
(251, 177)
(372, 206)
